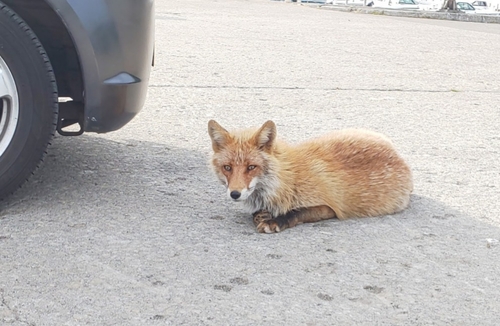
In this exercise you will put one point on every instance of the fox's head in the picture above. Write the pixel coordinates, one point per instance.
(241, 158)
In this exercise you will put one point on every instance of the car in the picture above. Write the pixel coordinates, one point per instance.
(477, 7)
(70, 66)
(480, 5)
(483, 8)
(466, 7)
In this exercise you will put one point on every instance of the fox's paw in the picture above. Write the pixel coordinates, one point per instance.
(261, 216)
(265, 222)
(270, 226)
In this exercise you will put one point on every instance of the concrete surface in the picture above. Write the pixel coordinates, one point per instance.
(131, 228)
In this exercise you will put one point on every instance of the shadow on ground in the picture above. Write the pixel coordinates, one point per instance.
(90, 170)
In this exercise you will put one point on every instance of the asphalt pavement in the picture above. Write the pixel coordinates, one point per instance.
(132, 227)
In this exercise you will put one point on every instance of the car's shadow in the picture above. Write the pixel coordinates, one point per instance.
(92, 170)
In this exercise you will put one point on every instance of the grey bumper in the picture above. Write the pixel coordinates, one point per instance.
(115, 43)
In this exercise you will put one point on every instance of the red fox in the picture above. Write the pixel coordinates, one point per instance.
(347, 173)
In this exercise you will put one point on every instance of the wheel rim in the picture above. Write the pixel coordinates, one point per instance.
(9, 106)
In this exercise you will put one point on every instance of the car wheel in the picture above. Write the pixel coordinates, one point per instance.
(28, 101)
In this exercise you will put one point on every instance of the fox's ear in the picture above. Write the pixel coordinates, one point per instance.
(218, 134)
(265, 136)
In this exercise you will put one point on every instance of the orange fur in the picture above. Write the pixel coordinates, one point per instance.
(354, 172)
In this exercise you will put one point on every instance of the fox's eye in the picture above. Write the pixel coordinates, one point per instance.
(251, 167)
(227, 167)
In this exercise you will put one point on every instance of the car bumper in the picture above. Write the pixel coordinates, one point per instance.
(115, 43)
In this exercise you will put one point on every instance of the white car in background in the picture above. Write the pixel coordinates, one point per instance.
(483, 8)
(466, 7)
(480, 5)
(476, 7)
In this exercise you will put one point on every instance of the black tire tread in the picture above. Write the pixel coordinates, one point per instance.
(53, 84)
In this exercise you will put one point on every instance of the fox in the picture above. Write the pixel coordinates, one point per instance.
(346, 173)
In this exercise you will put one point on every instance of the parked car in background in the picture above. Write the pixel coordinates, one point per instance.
(480, 5)
(484, 8)
(466, 7)
(96, 54)
(477, 7)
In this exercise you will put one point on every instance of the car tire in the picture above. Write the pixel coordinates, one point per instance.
(28, 101)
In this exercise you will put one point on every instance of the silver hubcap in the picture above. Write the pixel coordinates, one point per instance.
(9, 106)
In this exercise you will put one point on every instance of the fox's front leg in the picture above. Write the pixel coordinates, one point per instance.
(267, 224)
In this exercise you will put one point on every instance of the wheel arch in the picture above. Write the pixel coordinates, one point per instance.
(57, 42)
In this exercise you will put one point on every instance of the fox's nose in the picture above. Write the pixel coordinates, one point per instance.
(235, 194)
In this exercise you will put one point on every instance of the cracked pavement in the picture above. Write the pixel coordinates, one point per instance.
(131, 227)
(9, 315)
